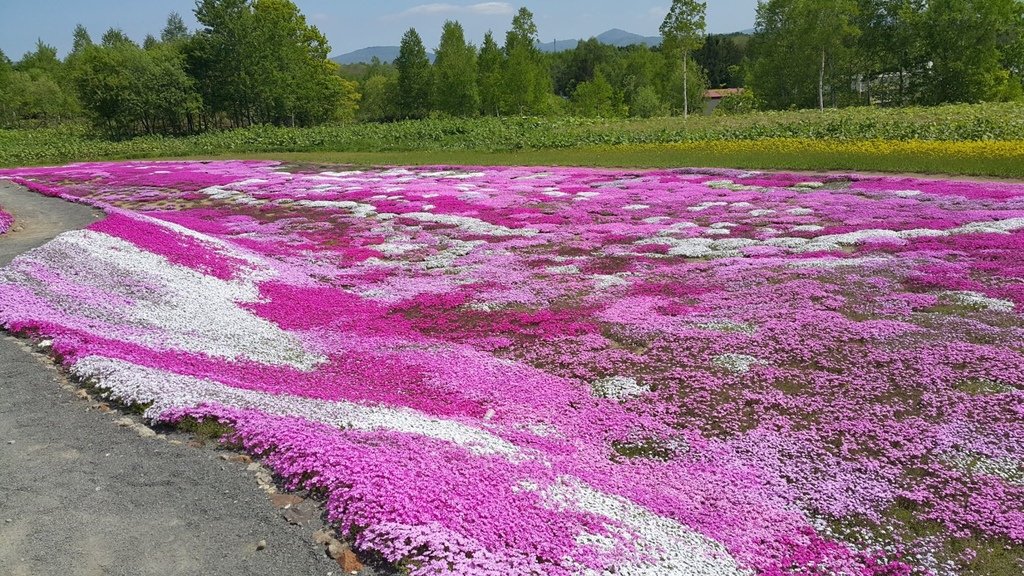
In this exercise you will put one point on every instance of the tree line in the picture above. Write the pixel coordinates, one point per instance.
(516, 78)
(253, 62)
(261, 62)
(817, 53)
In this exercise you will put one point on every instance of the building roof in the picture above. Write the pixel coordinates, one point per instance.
(722, 92)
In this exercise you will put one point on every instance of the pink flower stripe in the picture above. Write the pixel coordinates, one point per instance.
(6, 220)
(572, 371)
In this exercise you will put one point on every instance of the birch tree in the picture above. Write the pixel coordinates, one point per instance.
(683, 29)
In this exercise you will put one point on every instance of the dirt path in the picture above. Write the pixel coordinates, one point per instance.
(82, 495)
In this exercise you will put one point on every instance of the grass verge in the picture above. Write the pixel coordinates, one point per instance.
(981, 159)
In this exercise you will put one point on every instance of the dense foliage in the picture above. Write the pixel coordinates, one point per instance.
(896, 52)
(980, 123)
(253, 62)
(257, 62)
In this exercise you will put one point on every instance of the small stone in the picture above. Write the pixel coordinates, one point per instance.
(336, 549)
(10, 442)
(194, 444)
(125, 422)
(9, 520)
(253, 467)
(261, 545)
(81, 393)
(322, 537)
(103, 408)
(349, 562)
(282, 501)
(301, 514)
(145, 431)
(45, 343)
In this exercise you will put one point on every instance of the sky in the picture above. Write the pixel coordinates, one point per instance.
(353, 24)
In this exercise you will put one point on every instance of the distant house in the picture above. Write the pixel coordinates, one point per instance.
(713, 97)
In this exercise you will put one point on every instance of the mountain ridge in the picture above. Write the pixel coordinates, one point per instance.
(615, 37)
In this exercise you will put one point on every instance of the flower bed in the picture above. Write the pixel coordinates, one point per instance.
(568, 371)
(6, 220)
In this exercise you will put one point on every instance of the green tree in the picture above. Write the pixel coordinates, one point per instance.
(800, 47)
(829, 27)
(38, 87)
(127, 90)
(414, 77)
(455, 72)
(593, 98)
(889, 47)
(962, 40)
(720, 56)
(488, 78)
(43, 59)
(647, 104)
(683, 32)
(80, 39)
(261, 62)
(115, 37)
(582, 64)
(175, 29)
(1012, 46)
(525, 83)
(379, 94)
(680, 84)
(634, 70)
(6, 90)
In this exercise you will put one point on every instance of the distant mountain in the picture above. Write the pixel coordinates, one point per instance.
(365, 55)
(615, 37)
(557, 45)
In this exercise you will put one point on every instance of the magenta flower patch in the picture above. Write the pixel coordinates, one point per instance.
(6, 220)
(572, 371)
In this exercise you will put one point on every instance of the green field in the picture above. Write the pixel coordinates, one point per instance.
(976, 140)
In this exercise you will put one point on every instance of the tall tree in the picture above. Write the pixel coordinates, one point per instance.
(115, 37)
(683, 30)
(414, 78)
(80, 39)
(261, 62)
(488, 78)
(455, 71)
(43, 58)
(175, 29)
(799, 48)
(829, 26)
(962, 39)
(525, 79)
(889, 47)
(581, 65)
(720, 56)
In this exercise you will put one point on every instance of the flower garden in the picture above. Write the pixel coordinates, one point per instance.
(571, 371)
(5, 221)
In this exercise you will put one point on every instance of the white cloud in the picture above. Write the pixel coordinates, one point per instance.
(480, 9)
(658, 12)
(491, 8)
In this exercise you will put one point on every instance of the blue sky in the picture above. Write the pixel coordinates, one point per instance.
(350, 25)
